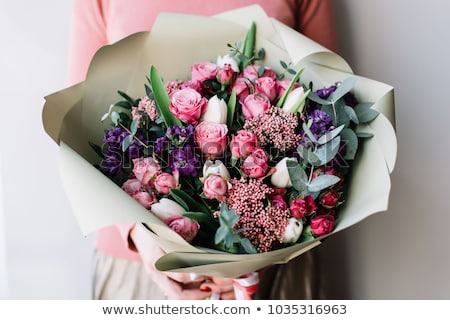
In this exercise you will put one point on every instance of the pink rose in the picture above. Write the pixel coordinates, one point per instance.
(243, 143)
(203, 71)
(146, 170)
(196, 85)
(215, 187)
(243, 88)
(250, 72)
(267, 86)
(187, 105)
(329, 199)
(282, 85)
(302, 207)
(256, 164)
(225, 75)
(164, 182)
(255, 105)
(211, 138)
(144, 198)
(322, 225)
(277, 201)
(132, 186)
(184, 226)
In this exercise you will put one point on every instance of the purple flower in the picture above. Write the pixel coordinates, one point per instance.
(321, 122)
(179, 136)
(185, 161)
(324, 93)
(161, 145)
(112, 161)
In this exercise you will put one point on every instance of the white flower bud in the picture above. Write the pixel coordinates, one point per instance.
(295, 100)
(166, 208)
(280, 178)
(226, 59)
(293, 231)
(216, 111)
(216, 167)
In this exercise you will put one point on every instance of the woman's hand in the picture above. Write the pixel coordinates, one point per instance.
(177, 286)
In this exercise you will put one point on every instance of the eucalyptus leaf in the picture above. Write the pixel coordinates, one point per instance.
(126, 142)
(115, 117)
(351, 114)
(309, 132)
(343, 88)
(134, 125)
(247, 246)
(365, 135)
(350, 139)
(298, 176)
(314, 97)
(322, 182)
(365, 113)
(309, 156)
(330, 135)
(328, 151)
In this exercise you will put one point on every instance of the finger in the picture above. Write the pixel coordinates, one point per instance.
(228, 296)
(214, 287)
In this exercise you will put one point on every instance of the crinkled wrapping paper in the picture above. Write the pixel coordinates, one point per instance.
(72, 118)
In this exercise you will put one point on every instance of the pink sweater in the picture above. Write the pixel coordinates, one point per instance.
(100, 22)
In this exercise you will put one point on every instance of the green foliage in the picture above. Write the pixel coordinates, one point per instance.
(162, 99)
(229, 238)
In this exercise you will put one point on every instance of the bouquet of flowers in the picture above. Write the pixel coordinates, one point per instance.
(243, 155)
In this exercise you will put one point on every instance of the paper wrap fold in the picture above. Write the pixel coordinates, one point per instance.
(72, 118)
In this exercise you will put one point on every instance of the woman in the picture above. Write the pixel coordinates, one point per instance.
(126, 254)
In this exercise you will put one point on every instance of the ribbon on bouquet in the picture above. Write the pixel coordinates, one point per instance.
(244, 287)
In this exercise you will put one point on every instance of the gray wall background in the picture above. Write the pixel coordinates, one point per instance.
(399, 254)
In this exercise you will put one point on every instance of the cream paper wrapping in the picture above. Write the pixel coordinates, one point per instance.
(72, 118)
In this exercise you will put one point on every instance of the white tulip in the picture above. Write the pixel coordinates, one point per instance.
(293, 231)
(295, 100)
(280, 178)
(216, 167)
(216, 111)
(166, 208)
(226, 59)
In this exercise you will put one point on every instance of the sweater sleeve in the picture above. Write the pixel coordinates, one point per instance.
(87, 36)
(317, 22)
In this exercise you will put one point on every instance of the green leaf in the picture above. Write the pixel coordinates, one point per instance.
(134, 126)
(127, 141)
(365, 113)
(309, 156)
(344, 87)
(288, 90)
(308, 132)
(351, 114)
(231, 106)
(365, 135)
(351, 143)
(187, 202)
(314, 97)
(97, 149)
(123, 104)
(328, 151)
(126, 97)
(249, 44)
(330, 135)
(200, 217)
(162, 98)
(322, 182)
(247, 246)
(115, 117)
(297, 175)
